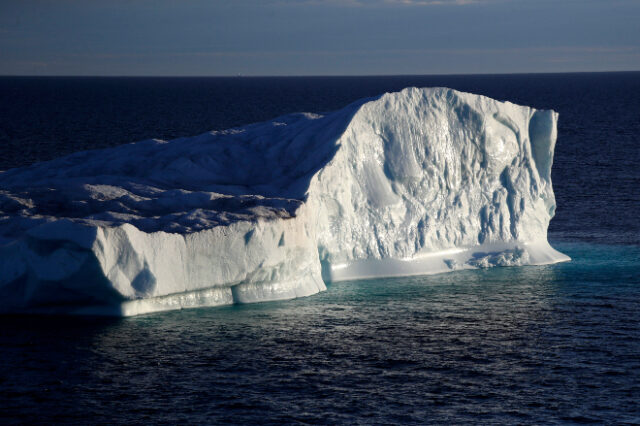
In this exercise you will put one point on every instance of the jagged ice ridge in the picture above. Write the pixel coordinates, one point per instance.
(420, 181)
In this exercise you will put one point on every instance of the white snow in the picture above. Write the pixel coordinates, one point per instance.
(416, 182)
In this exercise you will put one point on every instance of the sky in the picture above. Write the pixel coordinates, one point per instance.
(316, 37)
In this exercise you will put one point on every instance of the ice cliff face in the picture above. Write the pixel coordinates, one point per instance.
(415, 182)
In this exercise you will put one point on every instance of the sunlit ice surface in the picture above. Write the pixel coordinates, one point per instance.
(416, 182)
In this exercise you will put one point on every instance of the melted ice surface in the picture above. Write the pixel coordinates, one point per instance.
(415, 182)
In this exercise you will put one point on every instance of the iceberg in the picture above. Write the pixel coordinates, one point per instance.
(420, 181)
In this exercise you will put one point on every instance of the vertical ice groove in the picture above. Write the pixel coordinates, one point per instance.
(542, 134)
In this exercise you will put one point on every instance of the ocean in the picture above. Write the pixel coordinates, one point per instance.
(536, 344)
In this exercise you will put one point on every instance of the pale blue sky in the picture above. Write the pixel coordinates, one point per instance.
(315, 37)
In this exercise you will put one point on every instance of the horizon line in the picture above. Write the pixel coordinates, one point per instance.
(310, 75)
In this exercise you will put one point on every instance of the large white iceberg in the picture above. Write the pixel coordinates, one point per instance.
(416, 182)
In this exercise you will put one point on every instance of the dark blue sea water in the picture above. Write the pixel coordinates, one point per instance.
(549, 344)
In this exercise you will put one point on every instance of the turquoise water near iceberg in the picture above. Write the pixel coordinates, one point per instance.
(536, 344)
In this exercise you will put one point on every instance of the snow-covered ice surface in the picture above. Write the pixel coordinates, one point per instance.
(415, 182)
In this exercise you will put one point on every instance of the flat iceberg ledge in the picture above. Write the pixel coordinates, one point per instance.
(416, 182)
